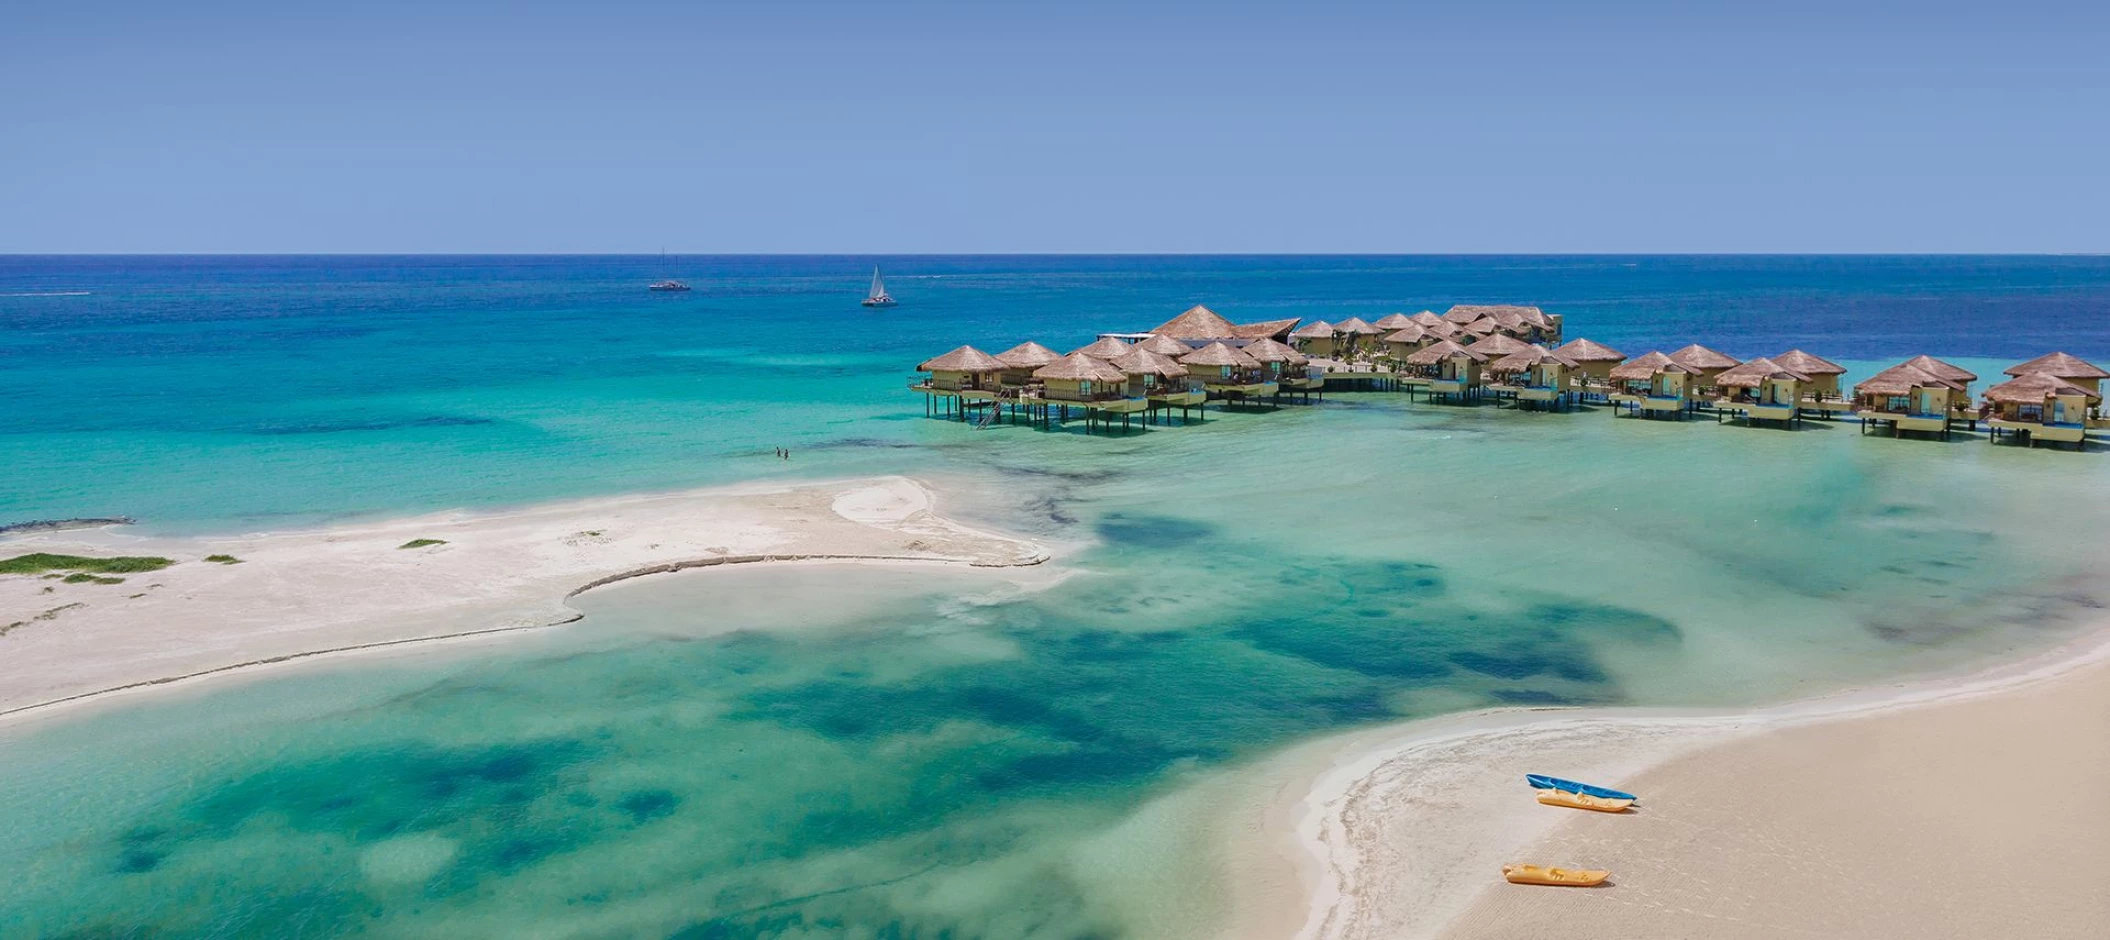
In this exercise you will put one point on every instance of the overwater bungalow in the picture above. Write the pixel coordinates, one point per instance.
(1229, 374)
(1960, 409)
(1822, 394)
(1537, 377)
(1354, 338)
(1596, 360)
(963, 379)
(1652, 385)
(2039, 406)
(2073, 369)
(1316, 338)
(1706, 364)
(1452, 371)
(1019, 362)
(1908, 397)
(1292, 369)
(1085, 383)
(1162, 381)
(1761, 390)
(1105, 347)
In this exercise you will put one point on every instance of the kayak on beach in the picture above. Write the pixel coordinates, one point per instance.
(1543, 782)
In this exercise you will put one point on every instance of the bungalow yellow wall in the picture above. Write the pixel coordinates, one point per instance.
(1081, 390)
(958, 380)
(1460, 368)
(1323, 346)
(1403, 350)
(2063, 409)
(1552, 375)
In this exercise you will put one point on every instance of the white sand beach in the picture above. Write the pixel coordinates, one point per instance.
(295, 595)
(1946, 807)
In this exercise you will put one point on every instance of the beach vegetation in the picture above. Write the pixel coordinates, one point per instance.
(45, 562)
(223, 559)
(421, 543)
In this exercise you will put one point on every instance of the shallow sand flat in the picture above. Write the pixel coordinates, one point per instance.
(304, 592)
(1402, 831)
(1977, 818)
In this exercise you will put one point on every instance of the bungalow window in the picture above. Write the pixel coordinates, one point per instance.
(2030, 413)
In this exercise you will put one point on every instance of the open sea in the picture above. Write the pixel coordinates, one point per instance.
(888, 753)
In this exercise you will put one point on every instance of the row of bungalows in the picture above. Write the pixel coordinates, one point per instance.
(1396, 335)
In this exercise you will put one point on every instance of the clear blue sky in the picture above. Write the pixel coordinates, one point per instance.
(1078, 127)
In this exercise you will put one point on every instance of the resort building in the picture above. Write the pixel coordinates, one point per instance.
(1761, 390)
(1652, 384)
(1537, 377)
(1314, 339)
(1391, 322)
(1961, 409)
(959, 380)
(1526, 323)
(2060, 365)
(1911, 397)
(1822, 394)
(1451, 370)
(1706, 364)
(2038, 406)
(1229, 374)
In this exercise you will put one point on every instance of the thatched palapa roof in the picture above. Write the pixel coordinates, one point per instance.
(1485, 326)
(1940, 369)
(1411, 333)
(1080, 367)
(1028, 355)
(1808, 363)
(1754, 373)
(1198, 322)
(1265, 329)
(1392, 321)
(1427, 318)
(1438, 351)
(1586, 350)
(1901, 380)
(1499, 345)
(1462, 314)
(2035, 387)
(963, 359)
(1138, 361)
(1646, 365)
(1357, 326)
(1522, 360)
(1317, 329)
(2060, 365)
(1699, 358)
(1218, 354)
(1105, 347)
(1165, 346)
(1267, 350)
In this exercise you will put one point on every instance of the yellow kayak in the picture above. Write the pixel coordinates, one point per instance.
(1583, 801)
(1559, 877)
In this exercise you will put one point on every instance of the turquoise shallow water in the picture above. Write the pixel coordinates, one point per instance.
(916, 753)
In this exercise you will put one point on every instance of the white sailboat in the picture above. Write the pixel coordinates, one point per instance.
(878, 296)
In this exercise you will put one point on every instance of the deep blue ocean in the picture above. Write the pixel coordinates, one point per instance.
(212, 392)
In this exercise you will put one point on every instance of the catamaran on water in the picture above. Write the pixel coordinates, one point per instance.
(878, 297)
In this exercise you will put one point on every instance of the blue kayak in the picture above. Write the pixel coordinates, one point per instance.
(1543, 782)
